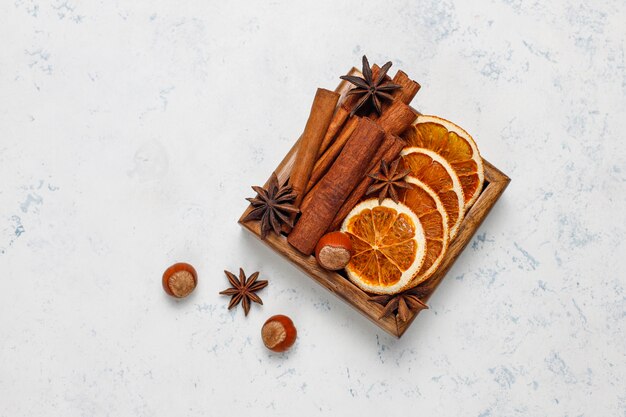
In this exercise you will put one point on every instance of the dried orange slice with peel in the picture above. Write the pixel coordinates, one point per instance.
(433, 170)
(425, 203)
(456, 146)
(389, 246)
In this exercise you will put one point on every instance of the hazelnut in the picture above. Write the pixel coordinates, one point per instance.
(278, 333)
(333, 251)
(179, 280)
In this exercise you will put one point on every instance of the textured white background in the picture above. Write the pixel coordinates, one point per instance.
(130, 133)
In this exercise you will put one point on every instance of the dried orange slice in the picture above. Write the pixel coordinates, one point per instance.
(425, 203)
(433, 170)
(389, 246)
(456, 146)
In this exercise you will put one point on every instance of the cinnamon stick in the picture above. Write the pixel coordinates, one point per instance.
(339, 118)
(394, 122)
(397, 118)
(404, 95)
(392, 145)
(327, 159)
(409, 87)
(347, 171)
(342, 114)
(320, 116)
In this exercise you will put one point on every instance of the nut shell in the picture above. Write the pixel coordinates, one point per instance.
(333, 251)
(278, 333)
(179, 280)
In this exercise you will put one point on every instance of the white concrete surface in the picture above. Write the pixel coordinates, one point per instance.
(130, 132)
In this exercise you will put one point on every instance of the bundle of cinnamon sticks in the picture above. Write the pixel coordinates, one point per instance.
(340, 147)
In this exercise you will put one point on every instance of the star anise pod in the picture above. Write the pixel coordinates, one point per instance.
(272, 206)
(243, 290)
(388, 180)
(403, 303)
(371, 89)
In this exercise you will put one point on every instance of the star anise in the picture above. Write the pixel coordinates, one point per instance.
(389, 180)
(371, 89)
(243, 290)
(272, 206)
(403, 303)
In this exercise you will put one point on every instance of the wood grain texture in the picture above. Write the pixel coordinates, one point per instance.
(495, 184)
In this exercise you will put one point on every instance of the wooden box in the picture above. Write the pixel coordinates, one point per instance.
(495, 183)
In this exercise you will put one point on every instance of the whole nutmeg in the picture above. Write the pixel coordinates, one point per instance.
(278, 333)
(333, 251)
(179, 280)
